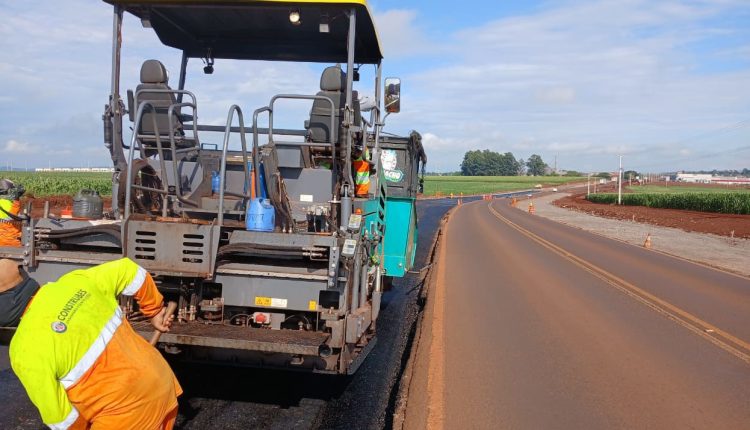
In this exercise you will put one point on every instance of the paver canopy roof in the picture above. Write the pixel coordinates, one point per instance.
(260, 29)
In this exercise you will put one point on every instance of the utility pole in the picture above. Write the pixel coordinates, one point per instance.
(588, 184)
(619, 184)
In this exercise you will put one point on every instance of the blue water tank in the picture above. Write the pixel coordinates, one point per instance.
(261, 215)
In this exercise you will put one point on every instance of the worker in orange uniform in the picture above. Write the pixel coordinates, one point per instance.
(82, 364)
(361, 167)
(10, 206)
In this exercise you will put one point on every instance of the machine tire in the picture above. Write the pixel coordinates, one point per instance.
(145, 202)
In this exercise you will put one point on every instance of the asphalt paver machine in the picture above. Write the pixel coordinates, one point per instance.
(272, 256)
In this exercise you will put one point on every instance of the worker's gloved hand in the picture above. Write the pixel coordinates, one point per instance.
(161, 321)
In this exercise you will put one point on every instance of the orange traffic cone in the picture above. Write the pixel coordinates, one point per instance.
(531, 208)
(458, 202)
(647, 242)
(513, 202)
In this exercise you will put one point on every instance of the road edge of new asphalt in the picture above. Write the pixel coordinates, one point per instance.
(417, 404)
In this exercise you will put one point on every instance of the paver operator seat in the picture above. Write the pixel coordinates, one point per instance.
(333, 86)
(154, 77)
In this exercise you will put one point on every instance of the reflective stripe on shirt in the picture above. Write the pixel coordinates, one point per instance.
(96, 349)
(136, 283)
(67, 422)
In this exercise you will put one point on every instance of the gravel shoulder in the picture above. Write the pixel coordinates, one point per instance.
(730, 254)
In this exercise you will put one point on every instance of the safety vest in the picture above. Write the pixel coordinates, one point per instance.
(10, 230)
(67, 327)
(362, 173)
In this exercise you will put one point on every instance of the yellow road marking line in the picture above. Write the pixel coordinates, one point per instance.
(715, 335)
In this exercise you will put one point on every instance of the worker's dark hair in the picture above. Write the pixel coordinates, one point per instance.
(13, 301)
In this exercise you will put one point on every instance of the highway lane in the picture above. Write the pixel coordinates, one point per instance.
(546, 333)
(714, 296)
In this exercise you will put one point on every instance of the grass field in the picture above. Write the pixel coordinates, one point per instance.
(40, 184)
(444, 185)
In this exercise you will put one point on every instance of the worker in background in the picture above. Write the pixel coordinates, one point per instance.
(361, 166)
(361, 154)
(10, 206)
(82, 364)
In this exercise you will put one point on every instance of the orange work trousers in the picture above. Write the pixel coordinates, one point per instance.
(130, 386)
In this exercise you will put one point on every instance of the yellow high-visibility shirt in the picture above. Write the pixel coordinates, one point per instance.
(59, 351)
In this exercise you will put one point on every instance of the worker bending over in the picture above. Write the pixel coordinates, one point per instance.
(82, 364)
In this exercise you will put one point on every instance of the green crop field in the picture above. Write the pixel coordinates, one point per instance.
(41, 184)
(445, 185)
(721, 202)
(661, 189)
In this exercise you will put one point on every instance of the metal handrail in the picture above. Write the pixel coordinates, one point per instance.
(193, 119)
(223, 169)
(128, 189)
(166, 91)
(256, 158)
(261, 130)
(177, 179)
(303, 97)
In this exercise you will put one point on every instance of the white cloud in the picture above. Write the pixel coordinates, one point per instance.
(558, 95)
(400, 33)
(16, 147)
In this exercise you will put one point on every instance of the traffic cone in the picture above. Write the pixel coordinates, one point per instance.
(513, 202)
(647, 242)
(458, 202)
(531, 208)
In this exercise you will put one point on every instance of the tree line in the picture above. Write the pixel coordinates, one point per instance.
(491, 163)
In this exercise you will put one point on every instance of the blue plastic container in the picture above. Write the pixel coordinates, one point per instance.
(262, 176)
(215, 182)
(261, 215)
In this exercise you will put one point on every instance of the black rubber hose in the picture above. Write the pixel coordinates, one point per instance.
(113, 233)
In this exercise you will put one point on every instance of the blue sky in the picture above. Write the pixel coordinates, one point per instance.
(664, 83)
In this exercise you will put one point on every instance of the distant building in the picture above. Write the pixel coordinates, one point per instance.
(75, 169)
(696, 178)
(724, 180)
(707, 178)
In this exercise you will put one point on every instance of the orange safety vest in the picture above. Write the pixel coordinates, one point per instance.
(362, 174)
(10, 230)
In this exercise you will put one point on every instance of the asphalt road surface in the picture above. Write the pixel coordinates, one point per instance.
(234, 398)
(538, 325)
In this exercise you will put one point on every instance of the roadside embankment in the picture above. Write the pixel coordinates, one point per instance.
(722, 252)
(418, 384)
